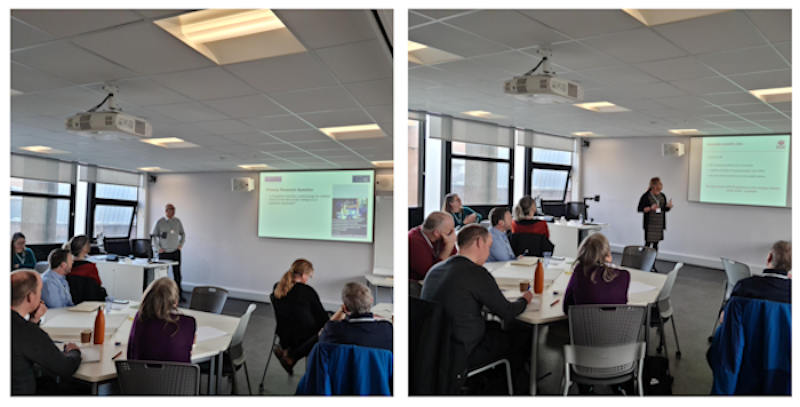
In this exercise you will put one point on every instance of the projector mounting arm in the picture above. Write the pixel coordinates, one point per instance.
(544, 63)
(112, 103)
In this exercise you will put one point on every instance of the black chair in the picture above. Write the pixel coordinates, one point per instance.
(414, 288)
(142, 248)
(431, 363)
(535, 244)
(639, 257)
(85, 289)
(151, 378)
(208, 299)
(274, 342)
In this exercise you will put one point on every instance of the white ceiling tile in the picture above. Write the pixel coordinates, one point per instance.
(507, 27)
(730, 98)
(66, 61)
(277, 123)
(676, 69)
(246, 106)
(207, 141)
(749, 108)
(454, 41)
(207, 83)
(683, 103)
(417, 19)
(383, 115)
(224, 127)
(785, 48)
(144, 92)
(337, 118)
(144, 48)
(744, 60)
(716, 32)
(315, 100)
(620, 74)
(302, 136)
(785, 107)
(511, 62)
(439, 14)
(59, 103)
(639, 45)
(288, 72)
(24, 35)
(585, 23)
(764, 80)
(251, 138)
(25, 79)
(190, 112)
(64, 23)
(372, 93)
(702, 86)
(159, 13)
(325, 28)
(776, 25)
(576, 56)
(764, 116)
(325, 147)
(358, 62)
(232, 148)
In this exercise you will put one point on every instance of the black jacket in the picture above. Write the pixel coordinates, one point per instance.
(360, 330)
(32, 348)
(300, 315)
(765, 287)
(85, 289)
(644, 202)
(432, 364)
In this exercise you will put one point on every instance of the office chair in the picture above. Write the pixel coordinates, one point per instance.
(152, 378)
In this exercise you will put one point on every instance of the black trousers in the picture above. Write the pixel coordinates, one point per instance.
(176, 270)
(513, 344)
(304, 348)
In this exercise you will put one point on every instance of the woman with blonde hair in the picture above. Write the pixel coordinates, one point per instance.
(299, 312)
(159, 332)
(594, 280)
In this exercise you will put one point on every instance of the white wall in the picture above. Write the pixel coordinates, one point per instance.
(223, 247)
(620, 169)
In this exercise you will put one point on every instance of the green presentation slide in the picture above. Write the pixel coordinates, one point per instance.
(322, 205)
(745, 170)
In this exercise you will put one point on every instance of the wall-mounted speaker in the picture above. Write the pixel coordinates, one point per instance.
(384, 182)
(152, 179)
(673, 149)
(242, 184)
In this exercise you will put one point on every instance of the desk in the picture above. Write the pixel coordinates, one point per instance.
(378, 281)
(64, 325)
(127, 279)
(568, 236)
(557, 275)
(384, 311)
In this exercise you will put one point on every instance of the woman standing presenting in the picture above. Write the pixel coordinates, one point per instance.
(654, 205)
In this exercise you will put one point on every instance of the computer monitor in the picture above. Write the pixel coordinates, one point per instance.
(142, 248)
(118, 246)
(575, 210)
(553, 208)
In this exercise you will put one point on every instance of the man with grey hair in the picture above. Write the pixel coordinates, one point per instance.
(170, 238)
(354, 324)
(430, 243)
(775, 283)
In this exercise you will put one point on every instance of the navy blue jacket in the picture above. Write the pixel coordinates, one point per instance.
(771, 286)
(359, 329)
(334, 369)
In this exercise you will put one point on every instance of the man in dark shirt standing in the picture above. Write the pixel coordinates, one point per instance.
(31, 347)
(354, 324)
(464, 287)
(775, 284)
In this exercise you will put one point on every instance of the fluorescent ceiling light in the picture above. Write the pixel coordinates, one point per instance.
(254, 166)
(43, 150)
(774, 95)
(686, 132)
(15, 92)
(383, 164)
(230, 36)
(421, 54)
(152, 169)
(601, 107)
(415, 46)
(583, 134)
(169, 142)
(482, 114)
(360, 131)
(654, 17)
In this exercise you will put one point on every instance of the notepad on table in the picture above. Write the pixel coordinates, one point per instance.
(525, 261)
(90, 353)
(84, 307)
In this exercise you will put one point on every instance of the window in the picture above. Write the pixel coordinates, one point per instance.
(112, 210)
(480, 174)
(550, 174)
(416, 163)
(41, 210)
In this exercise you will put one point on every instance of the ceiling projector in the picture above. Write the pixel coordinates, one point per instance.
(544, 87)
(109, 124)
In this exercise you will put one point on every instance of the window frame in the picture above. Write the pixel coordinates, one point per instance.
(70, 198)
(449, 156)
(420, 164)
(534, 165)
(93, 201)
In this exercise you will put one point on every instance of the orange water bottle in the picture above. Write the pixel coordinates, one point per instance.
(538, 278)
(99, 326)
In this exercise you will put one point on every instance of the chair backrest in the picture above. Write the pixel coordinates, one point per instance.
(605, 325)
(664, 303)
(639, 257)
(414, 289)
(430, 350)
(143, 377)
(41, 266)
(535, 244)
(734, 271)
(238, 334)
(208, 299)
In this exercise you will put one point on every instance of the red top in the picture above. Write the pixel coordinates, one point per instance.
(534, 227)
(85, 268)
(422, 255)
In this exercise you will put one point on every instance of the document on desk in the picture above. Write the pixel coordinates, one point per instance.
(636, 287)
(85, 306)
(207, 333)
(90, 353)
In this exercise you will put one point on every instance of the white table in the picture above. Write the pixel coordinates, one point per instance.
(378, 281)
(65, 326)
(568, 236)
(384, 311)
(127, 279)
(557, 275)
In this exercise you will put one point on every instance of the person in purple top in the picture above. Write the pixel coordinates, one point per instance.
(593, 280)
(159, 332)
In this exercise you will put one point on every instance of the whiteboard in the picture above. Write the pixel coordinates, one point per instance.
(383, 250)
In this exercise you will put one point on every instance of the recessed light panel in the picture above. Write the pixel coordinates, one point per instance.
(43, 150)
(152, 169)
(169, 142)
(483, 114)
(601, 107)
(653, 17)
(230, 36)
(583, 134)
(774, 95)
(383, 164)
(254, 166)
(686, 132)
(360, 131)
(422, 54)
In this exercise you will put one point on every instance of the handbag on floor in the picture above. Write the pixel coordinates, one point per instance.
(657, 380)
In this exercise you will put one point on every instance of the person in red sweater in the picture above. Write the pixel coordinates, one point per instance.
(79, 247)
(430, 243)
(523, 219)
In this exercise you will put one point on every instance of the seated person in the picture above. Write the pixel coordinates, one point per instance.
(593, 280)
(462, 215)
(158, 331)
(300, 314)
(55, 289)
(523, 218)
(464, 287)
(21, 257)
(31, 348)
(84, 280)
(775, 284)
(501, 224)
(354, 324)
(430, 243)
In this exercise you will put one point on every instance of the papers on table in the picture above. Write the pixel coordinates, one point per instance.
(525, 261)
(90, 353)
(84, 307)
(383, 310)
(206, 333)
(636, 287)
(83, 320)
